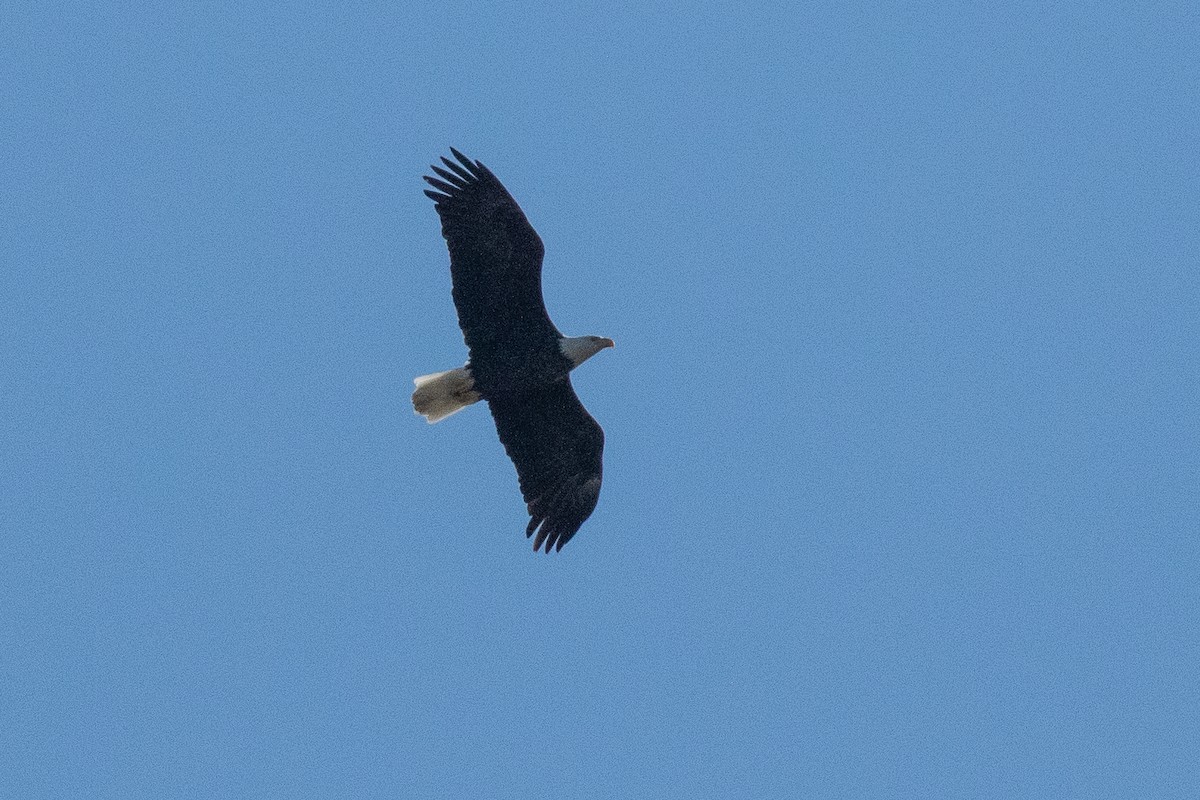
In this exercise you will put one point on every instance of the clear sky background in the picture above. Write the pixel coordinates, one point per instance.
(902, 466)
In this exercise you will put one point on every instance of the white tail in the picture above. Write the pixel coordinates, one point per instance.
(444, 393)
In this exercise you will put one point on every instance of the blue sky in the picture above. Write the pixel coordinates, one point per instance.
(902, 474)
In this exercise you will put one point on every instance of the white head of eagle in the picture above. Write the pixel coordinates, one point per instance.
(580, 348)
(517, 359)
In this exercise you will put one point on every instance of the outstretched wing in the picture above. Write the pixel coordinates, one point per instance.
(495, 262)
(558, 450)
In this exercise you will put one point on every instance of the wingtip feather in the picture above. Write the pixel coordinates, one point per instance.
(463, 170)
(442, 186)
(450, 177)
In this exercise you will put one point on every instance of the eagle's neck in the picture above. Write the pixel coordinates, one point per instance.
(579, 349)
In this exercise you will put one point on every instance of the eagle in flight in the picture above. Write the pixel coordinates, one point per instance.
(518, 361)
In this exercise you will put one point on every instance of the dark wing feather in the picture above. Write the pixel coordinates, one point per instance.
(496, 267)
(558, 451)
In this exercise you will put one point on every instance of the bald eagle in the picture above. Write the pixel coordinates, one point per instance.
(518, 361)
